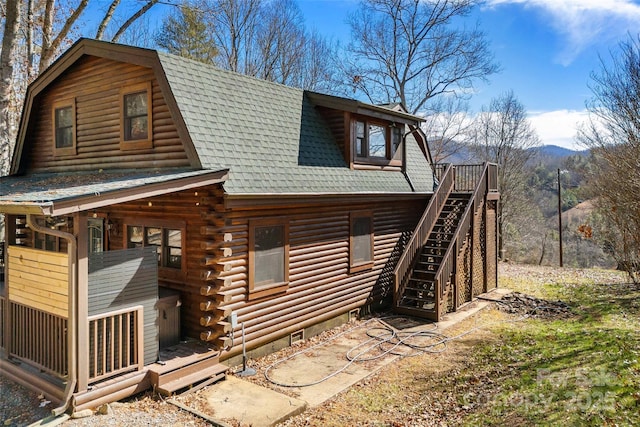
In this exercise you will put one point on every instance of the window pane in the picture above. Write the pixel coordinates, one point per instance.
(154, 238)
(135, 104)
(361, 150)
(136, 128)
(64, 137)
(96, 233)
(269, 255)
(136, 122)
(51, 243)
(173, 242)
(361, 235)
(377, 141)
(63, 117)
(134, 236)
(64, 127)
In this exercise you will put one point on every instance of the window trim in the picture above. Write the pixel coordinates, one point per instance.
(386, 160)
(168, 272)
(255, 292)
(58, 105)
(136, 144)
(355, 267)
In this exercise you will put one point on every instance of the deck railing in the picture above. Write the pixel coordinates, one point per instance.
(39, 338)
(115, 343)
(467, 177)
(423, 229)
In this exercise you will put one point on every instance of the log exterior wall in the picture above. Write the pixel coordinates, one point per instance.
(215, 282)
(95, 84)
(320, 284)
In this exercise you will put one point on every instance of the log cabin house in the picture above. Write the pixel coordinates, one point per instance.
(156, 205)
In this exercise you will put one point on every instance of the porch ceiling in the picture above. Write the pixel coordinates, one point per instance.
(64, 193)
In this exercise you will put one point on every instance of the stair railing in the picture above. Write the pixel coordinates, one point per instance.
(423, 230)
(448, 264)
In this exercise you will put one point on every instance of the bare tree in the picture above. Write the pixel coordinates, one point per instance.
(261, 38)
(233, 24)
(410, 51)
(7, 65)
(503, 135)
(448, 127)
(613, 135)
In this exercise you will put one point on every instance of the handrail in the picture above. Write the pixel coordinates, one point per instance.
(447, 266)
(423, 228)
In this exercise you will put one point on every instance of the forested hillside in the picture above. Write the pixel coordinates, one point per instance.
(534, 236)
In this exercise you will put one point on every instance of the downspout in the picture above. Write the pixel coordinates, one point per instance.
(71, 349)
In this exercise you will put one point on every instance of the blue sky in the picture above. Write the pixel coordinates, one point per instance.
(546, 49)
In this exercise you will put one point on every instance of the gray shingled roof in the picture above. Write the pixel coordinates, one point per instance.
(49, 189)
(271, 137)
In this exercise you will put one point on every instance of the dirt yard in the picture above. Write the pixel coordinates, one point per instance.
(445, 387)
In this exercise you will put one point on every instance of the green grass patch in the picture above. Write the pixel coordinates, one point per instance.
(584, 370)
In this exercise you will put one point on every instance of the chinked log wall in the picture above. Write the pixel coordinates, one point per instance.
(95, 85)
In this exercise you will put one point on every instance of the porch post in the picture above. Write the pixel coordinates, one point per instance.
(81, 230)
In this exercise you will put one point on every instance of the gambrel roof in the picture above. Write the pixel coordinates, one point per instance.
(270, 138)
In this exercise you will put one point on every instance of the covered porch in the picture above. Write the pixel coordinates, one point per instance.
(80, 323)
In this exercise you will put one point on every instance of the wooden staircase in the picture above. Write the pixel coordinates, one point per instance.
(419, 294)
(425, 275)
(188, 365)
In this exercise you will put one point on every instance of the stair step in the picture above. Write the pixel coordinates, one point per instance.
(423, 299)
(211, 375)
(419, 305)
(203, 369)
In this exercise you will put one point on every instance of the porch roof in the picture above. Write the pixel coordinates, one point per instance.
(61, 194)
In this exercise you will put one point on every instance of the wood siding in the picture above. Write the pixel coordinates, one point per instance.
(95, 85)
(320, 284)
(39, 279)
(188, 208)
(123, 279)
(215, 283)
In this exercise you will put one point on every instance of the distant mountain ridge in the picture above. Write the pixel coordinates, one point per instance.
(556, 151)
(542, 154)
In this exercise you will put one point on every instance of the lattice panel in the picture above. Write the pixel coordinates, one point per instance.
(463, 275)
(491, 249)
(478, 255)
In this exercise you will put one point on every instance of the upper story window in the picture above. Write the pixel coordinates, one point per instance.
(377, 142)
(64, 127)
(136, 132)
(268, 257)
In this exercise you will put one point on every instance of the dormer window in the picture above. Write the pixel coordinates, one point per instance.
(64, 128)
(135, 123)
(377, 142)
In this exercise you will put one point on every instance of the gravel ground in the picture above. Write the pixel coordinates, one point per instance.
(20, 407)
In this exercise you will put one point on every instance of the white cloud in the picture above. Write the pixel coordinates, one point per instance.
(584, 23)
(558, 127)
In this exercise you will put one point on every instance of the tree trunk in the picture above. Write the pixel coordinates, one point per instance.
(7, 63)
